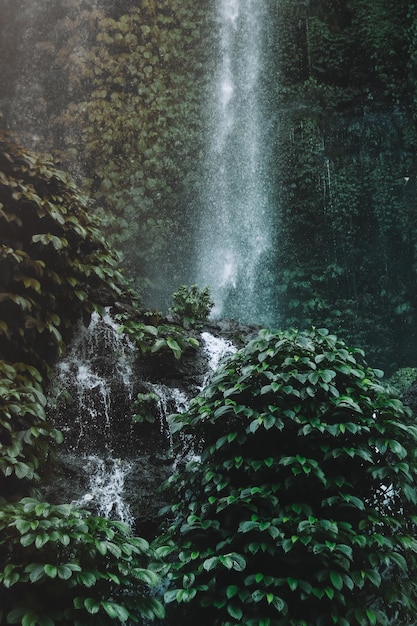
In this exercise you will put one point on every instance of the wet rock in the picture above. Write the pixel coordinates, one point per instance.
(112, 404)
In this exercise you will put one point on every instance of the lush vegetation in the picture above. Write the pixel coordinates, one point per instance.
(302, 509)
(191, 304)
(126, 120)
(55, 268)
(58, 565)
(124, 94)
(345, 175)
(304, 504)
(65, 566)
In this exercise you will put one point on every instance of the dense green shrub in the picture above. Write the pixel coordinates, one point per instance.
(61, 565)
(164, 338)
(55, 269)
(25, 434)
(131, 116)
(302, 509)
(56, 265)
(192, 304)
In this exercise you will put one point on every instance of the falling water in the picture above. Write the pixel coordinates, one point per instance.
(235, 240)
(98, 352)
(107, 456)
(106, 489)
(90, 399)
(216, 348)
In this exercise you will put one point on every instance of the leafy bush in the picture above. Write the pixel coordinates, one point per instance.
(404, 378)
(150, 339)
(61, 565)
(25, 434)
(302, 508)
(192, 304)
(55, 269)
(55, 264)
(145, 407)
(58, 565)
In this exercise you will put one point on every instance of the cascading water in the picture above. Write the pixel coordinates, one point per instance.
(90, 396)
(106, 489)
(110, 462)
(216, 348)
(235, 242)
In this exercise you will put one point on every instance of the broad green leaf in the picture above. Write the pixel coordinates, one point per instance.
(51, 570)
(30, 619)
(92, 605)
(336, 580)
(116, 611)
(235, 611)
(231, 591)
(64, 572)
(37, 573)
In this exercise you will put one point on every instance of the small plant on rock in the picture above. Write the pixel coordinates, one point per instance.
(192, 304)
(302, 509)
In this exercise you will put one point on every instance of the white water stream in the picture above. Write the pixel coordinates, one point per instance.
(98, 384)
(216, 348)
(235, 234)
(92, 400)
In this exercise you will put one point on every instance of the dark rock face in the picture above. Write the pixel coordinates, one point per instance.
(115, 454)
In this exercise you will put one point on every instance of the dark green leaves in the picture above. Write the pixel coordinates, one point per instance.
(69, 551)
(307, 466)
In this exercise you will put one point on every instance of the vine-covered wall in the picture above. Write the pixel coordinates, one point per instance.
(122, 89)
(346, 141)
(118, 100)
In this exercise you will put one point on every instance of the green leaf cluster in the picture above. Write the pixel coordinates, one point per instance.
(60, 565)
(145, 406)
(345, 171)
(55, 269)
(56, 265)
(302, 508)
(192, 304)
(26, 435)
(164, 338)
(134, 108)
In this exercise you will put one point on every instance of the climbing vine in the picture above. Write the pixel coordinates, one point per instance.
(347, 162)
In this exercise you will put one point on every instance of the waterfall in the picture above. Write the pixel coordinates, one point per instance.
(216, 348)
(94, 384)
(90, 401)
(110, 462)
(235, 237)
(106, 489)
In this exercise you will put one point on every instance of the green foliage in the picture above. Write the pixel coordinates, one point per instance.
(60, 565)
(56, 266)
(165, 338)
(192, 304)
(133, 107)
(128, 119)
(145, 406)
(25, 434)
(55, 269)
(404, 378)
(303, 507)
(345, 172)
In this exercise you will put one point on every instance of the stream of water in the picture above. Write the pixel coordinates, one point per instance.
(107, 457)
(92, 402)
(235, 234)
